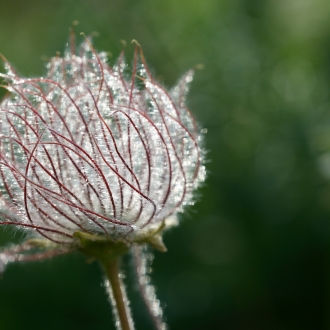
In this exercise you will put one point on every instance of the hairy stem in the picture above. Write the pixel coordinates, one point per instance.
(142, 262)
(118, 296)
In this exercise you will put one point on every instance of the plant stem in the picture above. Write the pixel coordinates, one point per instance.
(118, 296)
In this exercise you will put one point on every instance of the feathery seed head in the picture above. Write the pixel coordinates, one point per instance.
(90, 149)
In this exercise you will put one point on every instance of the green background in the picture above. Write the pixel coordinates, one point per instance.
(254, 252)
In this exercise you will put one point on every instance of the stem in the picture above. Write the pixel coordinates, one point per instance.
(118, 296)
(142, 262)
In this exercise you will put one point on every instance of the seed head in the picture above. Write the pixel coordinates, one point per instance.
(96, 149)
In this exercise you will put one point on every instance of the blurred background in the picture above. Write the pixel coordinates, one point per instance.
(254, 252)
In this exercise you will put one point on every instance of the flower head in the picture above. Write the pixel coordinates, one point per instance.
(95, 149)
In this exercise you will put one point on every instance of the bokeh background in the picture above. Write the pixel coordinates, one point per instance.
(254, 252)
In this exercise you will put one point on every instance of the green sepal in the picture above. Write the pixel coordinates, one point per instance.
(154, 238)
(41, 243)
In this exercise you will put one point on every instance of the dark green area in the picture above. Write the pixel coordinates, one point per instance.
(254, 252)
